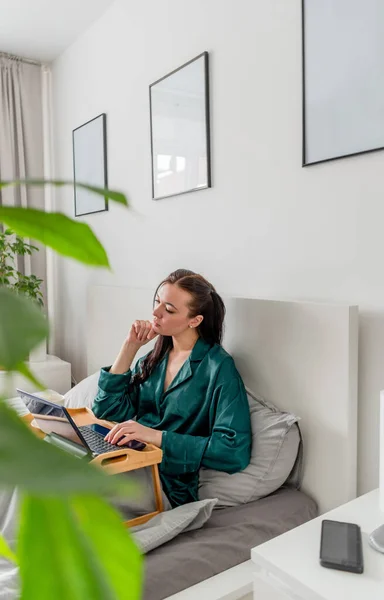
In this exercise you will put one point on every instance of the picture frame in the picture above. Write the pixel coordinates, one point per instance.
(89, 143)
(342, 79)
(180, 130)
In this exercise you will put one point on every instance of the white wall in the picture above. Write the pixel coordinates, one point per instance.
(268, 227)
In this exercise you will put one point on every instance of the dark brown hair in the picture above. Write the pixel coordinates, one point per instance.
(205, 301)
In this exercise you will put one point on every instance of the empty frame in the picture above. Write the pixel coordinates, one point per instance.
(343, 78)
(90, 165)
(180, 138)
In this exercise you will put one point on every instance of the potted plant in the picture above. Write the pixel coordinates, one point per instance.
(11, 247)
(59, 493)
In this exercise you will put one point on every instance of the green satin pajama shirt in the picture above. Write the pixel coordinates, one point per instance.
(204, 416)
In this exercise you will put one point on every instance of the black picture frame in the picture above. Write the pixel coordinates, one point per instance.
(204, 56)
(305, 162)
(91, 135)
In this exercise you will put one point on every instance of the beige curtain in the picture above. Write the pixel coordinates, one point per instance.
(21, 143)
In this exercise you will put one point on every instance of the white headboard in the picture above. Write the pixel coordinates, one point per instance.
(301, 356)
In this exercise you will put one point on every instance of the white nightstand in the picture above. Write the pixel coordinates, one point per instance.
(287, 567)
(53, 372)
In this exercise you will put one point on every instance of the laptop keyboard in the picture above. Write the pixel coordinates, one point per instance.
(96, 441)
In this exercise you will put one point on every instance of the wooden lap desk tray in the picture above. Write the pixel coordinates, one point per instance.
(121, 460)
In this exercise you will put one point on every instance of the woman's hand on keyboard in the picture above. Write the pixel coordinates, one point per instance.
(122, 433)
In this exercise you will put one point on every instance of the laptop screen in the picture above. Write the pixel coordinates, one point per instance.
(51, 418)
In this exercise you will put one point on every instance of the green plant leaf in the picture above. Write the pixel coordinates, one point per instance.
(67, 237)
(25, 371)
(6, 552)
(40, 468)
(124, 550)
(110, 194)
(22, 327)
(68, 566)
(77, 561)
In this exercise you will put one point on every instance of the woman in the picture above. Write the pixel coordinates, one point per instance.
(187, 395)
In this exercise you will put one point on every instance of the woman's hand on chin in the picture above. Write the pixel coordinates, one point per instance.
(141, 333)
(131, 430)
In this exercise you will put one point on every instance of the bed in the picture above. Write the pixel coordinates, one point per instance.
(301, 356)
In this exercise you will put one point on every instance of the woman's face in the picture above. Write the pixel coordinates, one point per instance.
(171, 311)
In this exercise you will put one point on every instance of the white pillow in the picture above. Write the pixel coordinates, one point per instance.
(275, 445)
(84, 393)
(51, 396)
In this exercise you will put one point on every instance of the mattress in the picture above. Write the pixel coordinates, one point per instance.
(223, 542)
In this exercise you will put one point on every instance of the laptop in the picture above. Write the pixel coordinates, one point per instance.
(55, 420)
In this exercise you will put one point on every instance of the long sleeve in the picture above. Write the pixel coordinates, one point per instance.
(228, 448)
(115, 400)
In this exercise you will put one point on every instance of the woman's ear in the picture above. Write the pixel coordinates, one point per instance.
(196, 321)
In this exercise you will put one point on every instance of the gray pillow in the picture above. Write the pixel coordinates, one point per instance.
(168, 524)
(276, 449)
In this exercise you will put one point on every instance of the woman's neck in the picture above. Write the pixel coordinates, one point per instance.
(185, 342)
